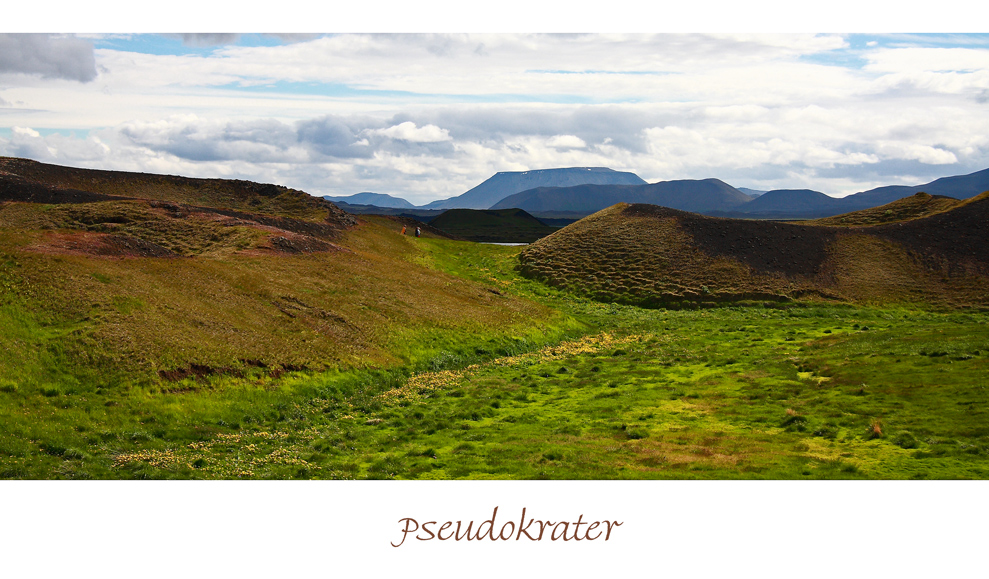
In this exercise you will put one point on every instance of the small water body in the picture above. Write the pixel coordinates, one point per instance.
(498, 243)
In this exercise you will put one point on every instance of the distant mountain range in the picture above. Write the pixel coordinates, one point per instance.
(807, 204)
(687, 195)
(376, 199)
(506, 183)
(716, 198)
(750, 192)
(574, 192)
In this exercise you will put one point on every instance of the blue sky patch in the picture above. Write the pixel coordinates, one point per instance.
(172, 45)
(338, 90)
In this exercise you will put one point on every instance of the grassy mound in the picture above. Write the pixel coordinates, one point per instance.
(914, 207)
(655, 256)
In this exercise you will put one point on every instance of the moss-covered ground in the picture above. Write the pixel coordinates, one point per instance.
(563, 387)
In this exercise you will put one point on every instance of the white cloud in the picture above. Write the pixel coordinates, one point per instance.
(25, 132)
(917, 59)
(563, 142)
(29, 143)
(408, 131)
(923, 153)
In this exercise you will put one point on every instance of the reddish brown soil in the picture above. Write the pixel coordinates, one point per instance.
(196, 371)
(200, 371)
(99, 244)
(330, 229)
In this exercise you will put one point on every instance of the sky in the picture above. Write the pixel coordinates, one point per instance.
(428, 116)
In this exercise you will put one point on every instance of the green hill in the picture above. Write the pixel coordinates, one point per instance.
(492, 225)
(655, 256)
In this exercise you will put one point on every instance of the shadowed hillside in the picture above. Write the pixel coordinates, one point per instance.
(655, 256)
(492, 225)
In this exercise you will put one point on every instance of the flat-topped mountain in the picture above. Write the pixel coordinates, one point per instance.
(687, 195)
(506, 183)
(368, 198)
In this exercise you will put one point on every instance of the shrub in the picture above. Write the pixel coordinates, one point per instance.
(794, 421)
(904, 439)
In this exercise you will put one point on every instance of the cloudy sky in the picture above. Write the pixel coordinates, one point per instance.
(427, 117)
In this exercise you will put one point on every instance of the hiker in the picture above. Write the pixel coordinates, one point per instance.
(403, 230)
(418, 233)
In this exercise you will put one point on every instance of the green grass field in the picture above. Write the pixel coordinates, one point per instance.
(548, 385)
